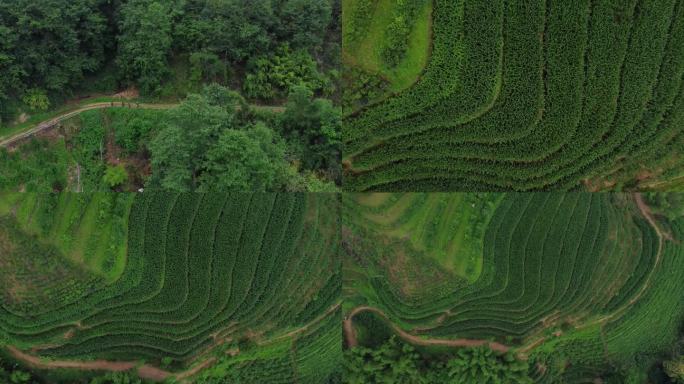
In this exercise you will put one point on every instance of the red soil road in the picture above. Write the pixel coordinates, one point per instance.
(145, 371)
(42, 126)
(54, 121)
(350, 335)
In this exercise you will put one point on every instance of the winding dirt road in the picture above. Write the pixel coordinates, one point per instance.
(47, 124)
(145, 371)
(44, 125)
(350, 335)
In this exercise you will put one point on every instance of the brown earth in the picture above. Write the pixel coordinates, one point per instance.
(350, 335)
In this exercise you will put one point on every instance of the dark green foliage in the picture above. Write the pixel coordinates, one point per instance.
(248, 160)
(242, 29)
(12, 374)
(49, 46)
(37, 166)
(52, 48)
(397, 362)
(275, 75)
(207, 67)
(145, 42)
(312, 128)
(118, 378)
(209, 145)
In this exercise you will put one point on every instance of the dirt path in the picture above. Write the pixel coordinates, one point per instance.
(303, 328)
(42, 126)
(350, 336)
(47, 124)
(646, 212)
(145, 371)
(648, 215)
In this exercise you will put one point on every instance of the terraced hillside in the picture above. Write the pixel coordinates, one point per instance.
(577, 284)
(241, 286)
(528, 95)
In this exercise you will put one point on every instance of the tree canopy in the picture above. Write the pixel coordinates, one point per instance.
(397, 362)
(208, 144)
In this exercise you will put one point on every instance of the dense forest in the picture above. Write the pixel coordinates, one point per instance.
(280, 53)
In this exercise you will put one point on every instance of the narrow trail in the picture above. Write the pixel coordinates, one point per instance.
(646, 212)
(662, 236)
(47, 124)
(145, 371)
(304, 328)
(350, 335)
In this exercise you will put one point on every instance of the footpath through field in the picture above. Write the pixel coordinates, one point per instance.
(47, 124)
(146, 371)
(350, 335)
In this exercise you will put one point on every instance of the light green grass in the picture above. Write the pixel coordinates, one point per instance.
(367, 53)
(439, 229)
(77, 229)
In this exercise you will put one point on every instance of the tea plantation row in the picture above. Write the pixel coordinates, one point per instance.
(216, 275)
(577, 284)
(531, 95)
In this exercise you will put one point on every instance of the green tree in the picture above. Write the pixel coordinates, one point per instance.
(208, 144)
(250, 160)
(275, 75)
(397, 362)
(36, 99)
(115, 176)
(205, 66)
(304, 22)
(313, 127)
(117, 378)
(50, 45)
(145, 42)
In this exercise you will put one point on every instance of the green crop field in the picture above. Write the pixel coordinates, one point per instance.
(193, 287)
(578, 286)
(514, 96)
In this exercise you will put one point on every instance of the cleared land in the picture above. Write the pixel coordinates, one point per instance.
(569, 282)
(528, 96)
(241, 287)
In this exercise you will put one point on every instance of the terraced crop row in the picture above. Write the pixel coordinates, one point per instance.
(535, 95)
(574, 276)
(447, 228)
(203, 271)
